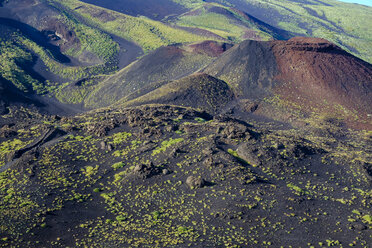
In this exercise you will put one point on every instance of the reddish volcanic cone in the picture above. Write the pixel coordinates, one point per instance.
(320, 76)
(312, 74)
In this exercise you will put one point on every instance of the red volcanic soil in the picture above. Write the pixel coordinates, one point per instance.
(319, 75)
(210, 48)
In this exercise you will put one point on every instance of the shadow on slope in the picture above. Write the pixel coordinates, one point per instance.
(243, 18)
(197, 91)
(36, 36)
(154, 9)
(11, 96)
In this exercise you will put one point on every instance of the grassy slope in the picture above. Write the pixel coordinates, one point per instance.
(17, 54)
(355, 21)
(23, 48)
(344, 24)
(147, 33)
(86, 21)
(90, 38)
(347, 25)
(86, 26)
(11, 55)
(229, 25)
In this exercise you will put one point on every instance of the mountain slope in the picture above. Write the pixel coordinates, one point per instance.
(154, 9)
(164, 64)
(229, 23)
(305, 71)
(173, 133)
(324, 76)
(249, 68)
(93, 40)
(344, 24)
(147, 33)
(11, 97)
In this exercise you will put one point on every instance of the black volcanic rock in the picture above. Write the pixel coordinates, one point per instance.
(252, 181)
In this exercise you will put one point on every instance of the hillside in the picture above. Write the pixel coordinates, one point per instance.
(73, 40)
(326, 78)
(73, 31)
(164, 64)
(311, 75)
(193, 123)
(172, 176)
(342, 23)
(11, 96)
(198, 91)
(154, 9)
(231, 24)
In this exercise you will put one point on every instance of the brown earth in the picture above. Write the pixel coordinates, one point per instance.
(318, 75)
(210, 48)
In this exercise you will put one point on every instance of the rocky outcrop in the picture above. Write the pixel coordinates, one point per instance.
(195, 182)
(147, 170)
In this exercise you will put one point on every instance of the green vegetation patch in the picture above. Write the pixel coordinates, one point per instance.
(10, 146)
(74, 94)
(122, 137)
(118, 165)
(90, 38)
(70, 72)
(12, 56)
(166, 144)
(230, 26)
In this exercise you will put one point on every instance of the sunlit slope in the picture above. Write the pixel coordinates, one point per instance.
(149, 34)
(347, 25)
(229, 23)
